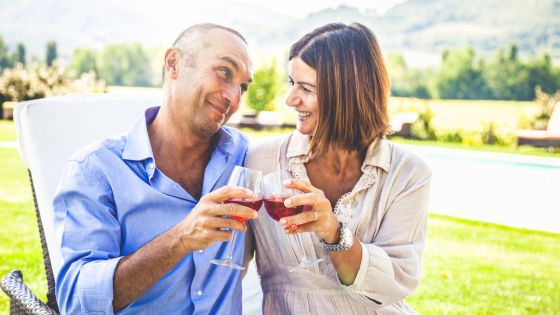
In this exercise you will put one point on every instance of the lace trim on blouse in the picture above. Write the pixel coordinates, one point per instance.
(348, 203)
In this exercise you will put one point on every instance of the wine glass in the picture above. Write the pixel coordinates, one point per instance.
(250, 179)
(274, 196)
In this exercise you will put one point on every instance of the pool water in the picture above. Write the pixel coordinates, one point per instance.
(507, 189)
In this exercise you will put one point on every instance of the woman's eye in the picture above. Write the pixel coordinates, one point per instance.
(291, 82)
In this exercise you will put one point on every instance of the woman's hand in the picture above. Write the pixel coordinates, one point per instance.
(317, 216)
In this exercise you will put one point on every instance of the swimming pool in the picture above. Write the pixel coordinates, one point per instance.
(513, 190)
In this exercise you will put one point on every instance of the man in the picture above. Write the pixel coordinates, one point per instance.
(140, 215)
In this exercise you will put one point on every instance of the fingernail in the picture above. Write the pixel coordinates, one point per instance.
(288, 202)
(287, 182)
(282, 221)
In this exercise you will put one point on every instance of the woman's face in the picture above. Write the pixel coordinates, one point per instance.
(303, 95)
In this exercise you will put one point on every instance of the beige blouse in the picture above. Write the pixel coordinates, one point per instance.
(387, 211)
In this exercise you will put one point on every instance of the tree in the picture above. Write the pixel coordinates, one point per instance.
(124, 64)
(405, 81)
(19, 54)
(83, 61)
(263, 90)
(461, 76)
(542, 74)
(51, 53)
(5, 60)
(507, 77)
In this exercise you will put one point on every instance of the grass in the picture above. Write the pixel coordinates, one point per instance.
(479, 268)
(470, 114)
(20, 247)
(7, 131)
(522, 150)
(469, 267)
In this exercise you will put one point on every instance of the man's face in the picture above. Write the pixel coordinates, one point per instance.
(208, 90)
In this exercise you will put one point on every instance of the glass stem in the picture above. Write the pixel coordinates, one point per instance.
(231, 244)
(301, 248)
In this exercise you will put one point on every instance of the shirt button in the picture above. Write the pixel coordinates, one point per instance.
(199, 293)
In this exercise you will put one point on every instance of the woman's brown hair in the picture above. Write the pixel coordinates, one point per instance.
(352, 86)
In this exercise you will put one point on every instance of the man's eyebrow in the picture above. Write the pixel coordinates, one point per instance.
(231, 61)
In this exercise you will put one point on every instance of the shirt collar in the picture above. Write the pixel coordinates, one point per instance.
(138, 146)
(224, 141)
(378, 153)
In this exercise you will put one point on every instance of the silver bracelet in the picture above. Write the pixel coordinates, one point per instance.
(345, 242)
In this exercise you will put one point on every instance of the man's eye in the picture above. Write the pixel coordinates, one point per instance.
(225, 72)
(244, 88)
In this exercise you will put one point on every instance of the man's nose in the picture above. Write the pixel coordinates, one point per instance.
(232, 94)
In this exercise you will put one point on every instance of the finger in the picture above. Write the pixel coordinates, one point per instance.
(310, 199)
(293, 229)
(299, 184)
(233, 209)
(299, 219)
(220, 223)
(221, 235)
(223, 193)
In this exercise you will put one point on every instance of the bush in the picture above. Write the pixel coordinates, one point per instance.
(22, 84)
(19, 84)
(263, 90)
(455, 136)
(546, 103)
(422, 129)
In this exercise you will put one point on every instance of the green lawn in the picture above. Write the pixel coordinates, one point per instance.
(7, 131)
(469, 267)
(523, 150)
(479, 268)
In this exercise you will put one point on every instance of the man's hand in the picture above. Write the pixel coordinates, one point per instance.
(208, 221)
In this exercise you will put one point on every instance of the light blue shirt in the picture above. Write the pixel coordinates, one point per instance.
(112, 200)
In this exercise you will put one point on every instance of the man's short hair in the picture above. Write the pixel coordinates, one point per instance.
(189, 42)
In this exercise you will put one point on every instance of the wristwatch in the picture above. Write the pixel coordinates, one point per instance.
(345, 242)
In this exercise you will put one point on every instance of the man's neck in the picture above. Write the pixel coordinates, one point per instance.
(176, 144)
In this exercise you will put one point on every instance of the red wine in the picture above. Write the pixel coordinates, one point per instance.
(254, 203)
(276, 209)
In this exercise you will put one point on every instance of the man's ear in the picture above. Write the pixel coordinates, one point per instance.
(171, 62)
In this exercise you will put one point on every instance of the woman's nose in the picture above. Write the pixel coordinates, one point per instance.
(292, 99)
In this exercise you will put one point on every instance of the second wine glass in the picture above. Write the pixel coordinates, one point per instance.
(275, 193)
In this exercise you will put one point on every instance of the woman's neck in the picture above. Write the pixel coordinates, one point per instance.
(339, 161)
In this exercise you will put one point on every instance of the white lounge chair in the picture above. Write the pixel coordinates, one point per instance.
(49, 131)
(549, 138)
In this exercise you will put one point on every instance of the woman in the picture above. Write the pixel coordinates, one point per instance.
(368, 197)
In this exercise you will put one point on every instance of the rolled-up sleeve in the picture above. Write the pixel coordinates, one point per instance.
(89, 236)
(390, 268)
